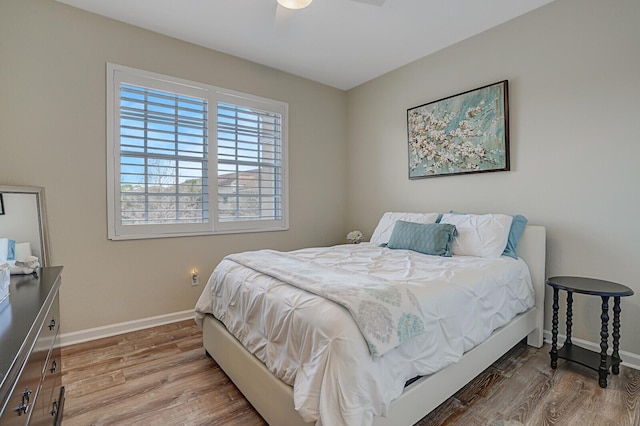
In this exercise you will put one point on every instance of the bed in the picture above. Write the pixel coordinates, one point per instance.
(270, 388)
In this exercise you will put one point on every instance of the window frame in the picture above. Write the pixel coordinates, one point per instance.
(117, 74)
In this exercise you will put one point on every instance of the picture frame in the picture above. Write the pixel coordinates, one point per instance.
(1, 204)
(460, 134)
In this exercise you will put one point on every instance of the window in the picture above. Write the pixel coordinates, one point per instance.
(249, 164)
(168, 177)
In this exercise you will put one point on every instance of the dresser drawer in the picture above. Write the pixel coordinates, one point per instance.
(45, 410)
(47, 336)
(23, 400)
(48, 403)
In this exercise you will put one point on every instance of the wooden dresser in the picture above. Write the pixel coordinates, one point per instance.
(30, 364)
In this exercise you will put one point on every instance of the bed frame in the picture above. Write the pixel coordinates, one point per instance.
(273, 399)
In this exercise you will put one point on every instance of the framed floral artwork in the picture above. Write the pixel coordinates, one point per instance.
(460, 134)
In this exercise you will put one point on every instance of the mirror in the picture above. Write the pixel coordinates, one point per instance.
(23, 219)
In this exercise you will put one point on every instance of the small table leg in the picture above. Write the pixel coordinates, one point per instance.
(603, 371)
(615, 367)
(554, 330)
(567, 342)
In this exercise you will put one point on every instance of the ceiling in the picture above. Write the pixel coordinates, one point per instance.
(341, 43)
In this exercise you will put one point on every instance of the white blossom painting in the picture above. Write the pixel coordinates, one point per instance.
(464, 133)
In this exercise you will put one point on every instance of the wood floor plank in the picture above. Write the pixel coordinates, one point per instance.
(526, 379)
(162, 376)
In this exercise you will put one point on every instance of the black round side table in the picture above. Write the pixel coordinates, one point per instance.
(601, 362)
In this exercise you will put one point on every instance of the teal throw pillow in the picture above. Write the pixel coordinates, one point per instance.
(517, 228)
(427, 238)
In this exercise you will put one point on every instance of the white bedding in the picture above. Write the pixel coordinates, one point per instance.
(314, 344)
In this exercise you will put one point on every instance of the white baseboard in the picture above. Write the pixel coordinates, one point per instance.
(81, 336)
(629, 359)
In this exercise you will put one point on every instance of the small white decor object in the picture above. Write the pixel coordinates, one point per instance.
(4, 281)
(27, 266)
(354, 237)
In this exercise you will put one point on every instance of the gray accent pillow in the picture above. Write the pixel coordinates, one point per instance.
(429, 238)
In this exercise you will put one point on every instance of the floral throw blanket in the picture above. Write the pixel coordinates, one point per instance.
(386, 313)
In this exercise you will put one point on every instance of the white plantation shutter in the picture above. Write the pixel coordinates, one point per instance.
(185, 158)
(163, 157)
(249, 164)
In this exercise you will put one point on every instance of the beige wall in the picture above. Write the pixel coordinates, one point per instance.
(52, 134)
(573, 68)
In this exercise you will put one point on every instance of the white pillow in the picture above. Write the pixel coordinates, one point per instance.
(382, 233)
(483, 235)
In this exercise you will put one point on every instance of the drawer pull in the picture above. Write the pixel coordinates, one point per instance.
(24, 404)
(22, 409)
(25, 396)
(52, 324)
(54, 366)
(54, 410)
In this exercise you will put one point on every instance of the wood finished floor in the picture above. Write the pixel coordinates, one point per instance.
(161, 376)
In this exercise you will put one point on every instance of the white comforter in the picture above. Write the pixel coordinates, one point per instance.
(314, 344)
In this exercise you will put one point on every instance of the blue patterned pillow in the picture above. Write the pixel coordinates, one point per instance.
(427, 238)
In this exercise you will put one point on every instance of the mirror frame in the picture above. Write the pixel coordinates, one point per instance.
(42, 215)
